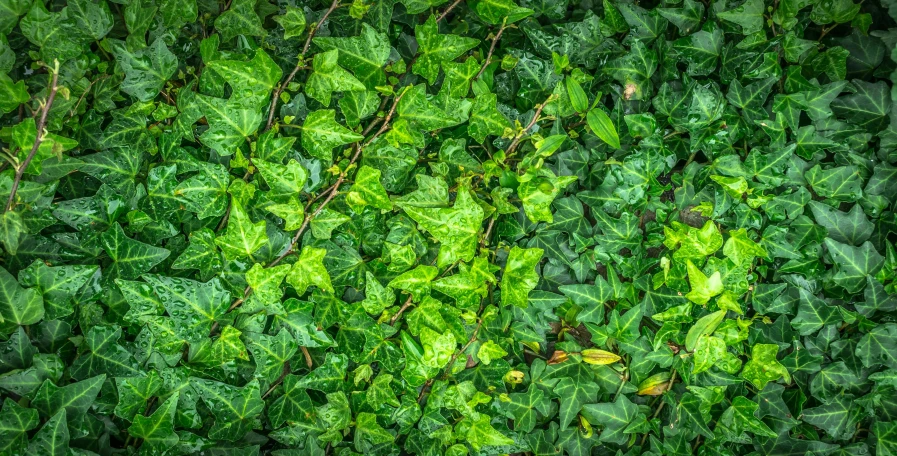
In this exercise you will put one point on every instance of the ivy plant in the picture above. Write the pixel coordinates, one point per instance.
(448, 227)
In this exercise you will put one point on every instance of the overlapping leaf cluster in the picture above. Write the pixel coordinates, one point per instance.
(438, 227)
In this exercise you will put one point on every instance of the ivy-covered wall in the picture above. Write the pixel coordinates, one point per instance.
(448, 227)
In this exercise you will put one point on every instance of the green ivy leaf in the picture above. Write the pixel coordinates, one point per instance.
(146, 70)
(329, 77)
(310, 270)
(496, 11)
(763, 366)
(519, 276)
(243, 236)
(15, 424)
(18, 306)
(749, 15)
(614, 416)
(130, 258)
(485, 119)
(456, 228)
(364, 54)
(235, 409)
(525, 408)
(13, 94)
(52, 438)
(239, 19)
(193, 306)
(368, 191)
(853, 264)
(292, 21)
(321, 133)
(436, 48)
(157, 430)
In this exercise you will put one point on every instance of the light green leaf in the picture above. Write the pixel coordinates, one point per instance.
(309, 270)
(435, 48)
(321, 133)
(603, 127)
(519, 276)
(485, 119)
(292, 21)
(12, 94)
(364, 54)
(703, 288)
(416, 281)
(456, 228)
(285, 181)
(496, 11)
(763, 366)
(243, 237)
(368, 191)
(741, 249)
(329, 77)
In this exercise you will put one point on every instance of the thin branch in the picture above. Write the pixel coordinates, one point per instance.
(299, 64)
(623, 382)
(473, 338)
(286, 370)
(331, 193)
(448, 10)
(333, 190)
(485, 239)
(532, 122)
(39, 137)
(825, 31)
(576, 124)
(495, 39)
(392, 321)
(448, 369)
(407, 304)
(86, 91)
(224, 219)
(308, 361)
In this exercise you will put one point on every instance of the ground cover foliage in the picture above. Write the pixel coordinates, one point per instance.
(439, 227)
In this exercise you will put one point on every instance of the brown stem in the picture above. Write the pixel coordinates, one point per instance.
(392, 321)
(448, 368)
(331, 192)
(308, 361)
(448, 10)
(299, 64)
(473, 338)
(38, 139)
(520, 136)
(224, 219)
(485, 239)
(576, 124)
(825, 31)
(495, 39)
(286, 370)
(86, 91)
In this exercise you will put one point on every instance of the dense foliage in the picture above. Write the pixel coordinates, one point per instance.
(436, 227)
